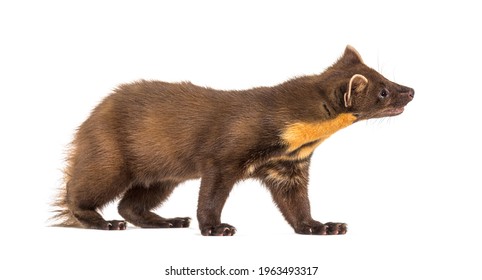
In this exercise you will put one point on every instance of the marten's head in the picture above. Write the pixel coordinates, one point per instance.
(366, 93)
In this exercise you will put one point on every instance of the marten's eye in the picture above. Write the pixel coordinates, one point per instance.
(383, 93)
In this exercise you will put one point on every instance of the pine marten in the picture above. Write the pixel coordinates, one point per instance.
(147, 137)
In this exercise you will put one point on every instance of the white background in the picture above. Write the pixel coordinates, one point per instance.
(408, 187)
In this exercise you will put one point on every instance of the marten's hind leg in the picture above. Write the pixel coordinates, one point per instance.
(138, 201)
(85, 200)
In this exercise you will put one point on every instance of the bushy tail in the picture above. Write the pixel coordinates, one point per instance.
(63, 217)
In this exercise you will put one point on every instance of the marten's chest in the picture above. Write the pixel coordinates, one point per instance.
(302, 138)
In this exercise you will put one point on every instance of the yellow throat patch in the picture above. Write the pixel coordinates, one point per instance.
(302, 138)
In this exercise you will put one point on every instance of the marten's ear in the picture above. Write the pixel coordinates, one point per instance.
(356, 85)
(351, 56)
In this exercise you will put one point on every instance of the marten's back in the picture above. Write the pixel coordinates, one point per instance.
(162, 130)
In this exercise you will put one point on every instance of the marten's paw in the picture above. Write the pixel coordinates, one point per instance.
(116, 225)
(179, 222)
(333, 229)
(317, 228)
(220, 230)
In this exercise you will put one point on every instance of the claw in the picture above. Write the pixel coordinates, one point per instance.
(220, 230)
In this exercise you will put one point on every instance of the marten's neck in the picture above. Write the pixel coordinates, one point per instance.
(307, 98)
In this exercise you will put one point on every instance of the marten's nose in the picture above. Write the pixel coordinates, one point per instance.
(411, 93)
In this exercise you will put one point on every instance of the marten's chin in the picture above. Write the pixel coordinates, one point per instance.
(390, 112)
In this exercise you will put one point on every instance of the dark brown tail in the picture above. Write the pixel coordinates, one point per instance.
(63, 217)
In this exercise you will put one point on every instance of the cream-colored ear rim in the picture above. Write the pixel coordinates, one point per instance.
(358, 82)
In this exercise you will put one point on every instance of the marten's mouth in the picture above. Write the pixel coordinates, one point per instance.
(390, 112)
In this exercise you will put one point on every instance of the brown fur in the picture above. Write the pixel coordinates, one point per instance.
(149, 136)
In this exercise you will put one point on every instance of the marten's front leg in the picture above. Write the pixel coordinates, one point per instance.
(215, 188)
(288, 184)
